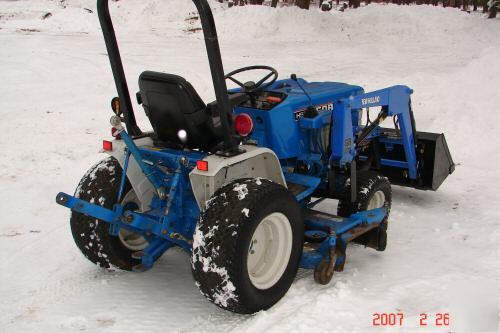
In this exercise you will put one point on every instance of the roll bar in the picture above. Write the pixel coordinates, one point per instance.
(214, 59)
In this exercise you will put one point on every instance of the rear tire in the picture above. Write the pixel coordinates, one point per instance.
(247, 245)
(100, 186)
(374, 191)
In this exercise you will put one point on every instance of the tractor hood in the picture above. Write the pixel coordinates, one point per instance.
(277, 126)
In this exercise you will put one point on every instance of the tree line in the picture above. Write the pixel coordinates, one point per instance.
(490, 7)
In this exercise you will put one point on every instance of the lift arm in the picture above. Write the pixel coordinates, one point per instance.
(394, 101)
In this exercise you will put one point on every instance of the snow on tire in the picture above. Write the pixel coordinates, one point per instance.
(247, 245)
(374, 191)
(100, 186)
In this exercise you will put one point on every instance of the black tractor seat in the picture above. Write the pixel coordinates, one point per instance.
(172, 105)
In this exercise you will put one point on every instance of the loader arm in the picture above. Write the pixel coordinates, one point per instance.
(395, 101)
(407, 157)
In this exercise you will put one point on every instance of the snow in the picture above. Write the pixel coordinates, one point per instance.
(56, 86)
(242, 190)
(224, 293)
(212, 200)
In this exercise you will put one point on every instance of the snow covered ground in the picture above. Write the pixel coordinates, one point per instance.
(444, 247)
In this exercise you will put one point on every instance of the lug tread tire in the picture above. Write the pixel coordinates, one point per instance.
(222, 237)
(368, 183)
(100, 185)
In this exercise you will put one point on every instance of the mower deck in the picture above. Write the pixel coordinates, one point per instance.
(328, 231)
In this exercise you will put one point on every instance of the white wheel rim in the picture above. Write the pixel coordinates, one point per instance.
(130, 240)
(377, 200)
(269, 251)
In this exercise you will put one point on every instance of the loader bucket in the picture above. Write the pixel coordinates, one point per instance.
(434, 161)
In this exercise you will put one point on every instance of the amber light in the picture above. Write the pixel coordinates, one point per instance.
(115, 106)
(202, 165)
(273, 99)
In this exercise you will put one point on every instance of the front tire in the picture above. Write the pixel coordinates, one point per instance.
(247, 245)
(374, 191)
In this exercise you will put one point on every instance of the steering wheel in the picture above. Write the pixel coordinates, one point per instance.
(251, 86)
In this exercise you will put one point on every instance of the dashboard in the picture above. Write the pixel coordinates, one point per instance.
(264, 100)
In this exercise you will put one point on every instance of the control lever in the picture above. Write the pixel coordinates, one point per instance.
(311, 111)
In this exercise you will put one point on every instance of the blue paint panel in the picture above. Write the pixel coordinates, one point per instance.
(342, 135)
(396, 99)
(311, 183)
(280, 131)
(343, 225)
(310, 259)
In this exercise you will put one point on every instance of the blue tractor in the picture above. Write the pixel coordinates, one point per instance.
(235, 182)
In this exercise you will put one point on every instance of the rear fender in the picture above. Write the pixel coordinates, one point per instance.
(256, 162)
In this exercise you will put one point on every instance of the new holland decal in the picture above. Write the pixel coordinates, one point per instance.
(370, 100)
(321, 108)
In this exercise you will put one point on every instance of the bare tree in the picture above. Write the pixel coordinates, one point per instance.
(491, 7)
(494, 5)
(304, 4)
(474, 5)
(485, 6)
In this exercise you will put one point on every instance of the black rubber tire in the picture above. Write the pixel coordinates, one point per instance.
(368, 183)
(100, 185)
(222, 240)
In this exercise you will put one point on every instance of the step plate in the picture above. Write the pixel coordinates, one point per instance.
(296, 189)
(348, 228)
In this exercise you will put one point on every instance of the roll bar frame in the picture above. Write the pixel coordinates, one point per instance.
(214, 59)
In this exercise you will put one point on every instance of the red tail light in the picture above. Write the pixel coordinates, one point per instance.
(107, 145)
(202, 165)
(115, 133)
(243, 124)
